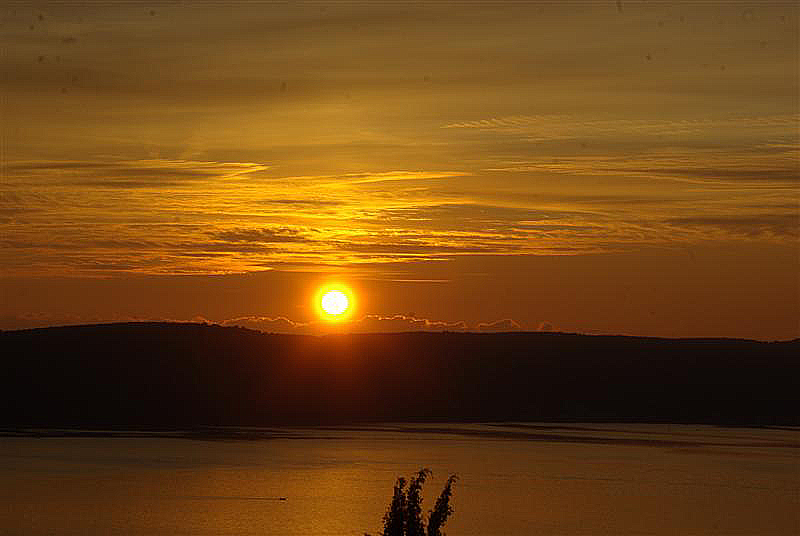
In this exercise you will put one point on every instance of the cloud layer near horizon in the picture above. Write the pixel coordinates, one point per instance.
(370, 323)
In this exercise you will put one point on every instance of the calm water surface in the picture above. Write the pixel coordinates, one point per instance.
(515, 479)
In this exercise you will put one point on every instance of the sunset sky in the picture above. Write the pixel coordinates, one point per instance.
(595, 167)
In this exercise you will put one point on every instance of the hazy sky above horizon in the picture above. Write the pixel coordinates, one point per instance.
(593, 166)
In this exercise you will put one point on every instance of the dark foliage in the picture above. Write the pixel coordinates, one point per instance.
(414, 523)
(151, 375)
(395, 517)
(404, 515)
(442, 510)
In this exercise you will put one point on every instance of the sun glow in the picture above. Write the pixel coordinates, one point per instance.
(334, 302)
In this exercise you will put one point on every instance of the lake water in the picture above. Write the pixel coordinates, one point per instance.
(515, 479)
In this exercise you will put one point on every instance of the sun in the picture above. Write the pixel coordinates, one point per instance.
(334, 302)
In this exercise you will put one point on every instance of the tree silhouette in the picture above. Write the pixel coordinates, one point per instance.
(442, 510)
(395, 517)
(415, 526)
(403, 517)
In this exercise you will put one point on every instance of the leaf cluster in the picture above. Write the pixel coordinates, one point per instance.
(404, 515)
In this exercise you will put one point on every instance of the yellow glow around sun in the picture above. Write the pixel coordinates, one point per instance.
(334, 302)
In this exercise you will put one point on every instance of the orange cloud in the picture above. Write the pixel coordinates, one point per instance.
(366, 324)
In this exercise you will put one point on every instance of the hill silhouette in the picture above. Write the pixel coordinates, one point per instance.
(155, 375)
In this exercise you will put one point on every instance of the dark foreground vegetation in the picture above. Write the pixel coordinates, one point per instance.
(404, 515)
(155, 375)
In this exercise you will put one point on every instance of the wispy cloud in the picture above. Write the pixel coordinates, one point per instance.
(371, 323)
(748, 225)
(146, 173)
(563, 126)
(366, 324)
(758, 167)
(264, 235)
(367, 178)
(505, 324)
(224, 223)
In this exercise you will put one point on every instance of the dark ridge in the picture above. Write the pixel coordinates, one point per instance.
(154, 376)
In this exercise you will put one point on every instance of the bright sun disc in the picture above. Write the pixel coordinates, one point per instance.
(334, 302)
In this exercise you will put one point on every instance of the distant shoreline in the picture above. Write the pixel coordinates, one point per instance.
(200, 377)
(674, 436)
(371, 333)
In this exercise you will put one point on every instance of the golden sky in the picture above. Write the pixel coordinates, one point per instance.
(592, 166)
